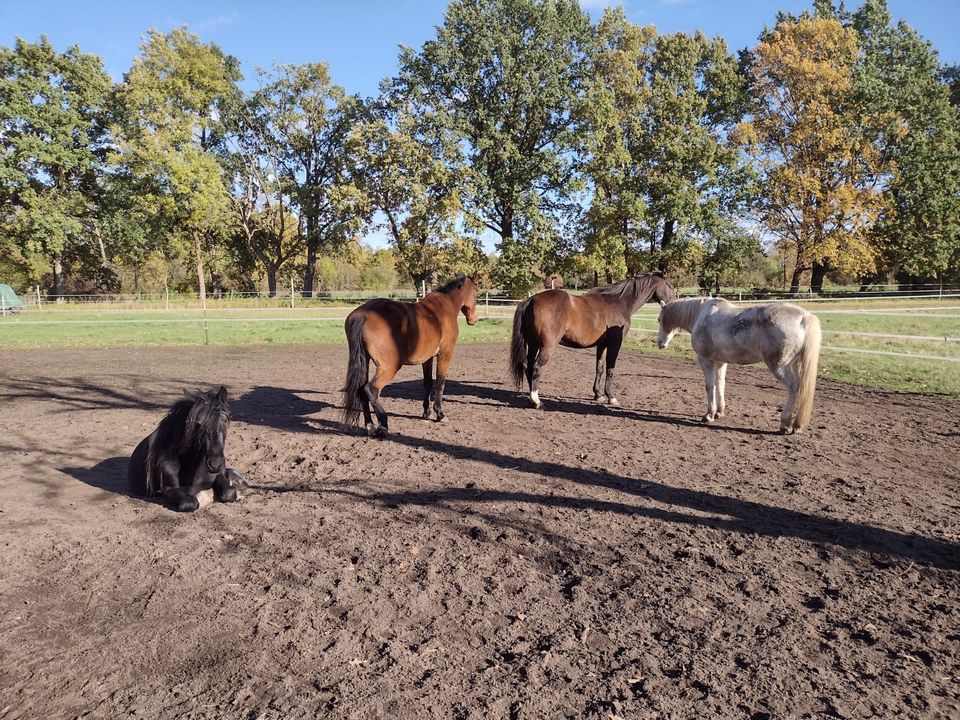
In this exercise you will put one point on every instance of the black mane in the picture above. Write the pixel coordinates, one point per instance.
(186, 430)
(454, 284)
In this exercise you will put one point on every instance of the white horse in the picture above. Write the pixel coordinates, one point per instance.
(785, 337)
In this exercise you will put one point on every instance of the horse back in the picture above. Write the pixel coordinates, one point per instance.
(590, 316)
(403, 333)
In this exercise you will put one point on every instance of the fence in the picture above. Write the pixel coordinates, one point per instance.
(187, 310)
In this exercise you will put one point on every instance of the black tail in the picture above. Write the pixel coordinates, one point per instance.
(518, 345)
(357, 369)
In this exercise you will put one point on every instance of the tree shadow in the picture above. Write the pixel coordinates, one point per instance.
(75, 394)
(742, 516)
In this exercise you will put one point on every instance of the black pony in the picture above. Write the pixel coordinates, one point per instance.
(184, 455)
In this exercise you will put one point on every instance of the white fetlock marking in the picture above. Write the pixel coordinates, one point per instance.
(205, 498)
(614, 401)
(535, 397)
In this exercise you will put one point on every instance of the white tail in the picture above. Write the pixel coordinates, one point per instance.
(806, 369)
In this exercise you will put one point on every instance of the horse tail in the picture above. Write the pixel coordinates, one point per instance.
(807, 371)
(357, 369)
(518, 345)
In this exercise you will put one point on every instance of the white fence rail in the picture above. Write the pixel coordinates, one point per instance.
(491, 307)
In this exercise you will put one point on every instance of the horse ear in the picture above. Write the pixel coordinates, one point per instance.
(222, 394)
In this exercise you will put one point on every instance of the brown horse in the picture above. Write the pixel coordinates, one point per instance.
(393, 334)
(599, 318)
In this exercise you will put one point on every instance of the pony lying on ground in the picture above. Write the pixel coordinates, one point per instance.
(394, 334)
(184, 457)
(599, 318)
(784, 336)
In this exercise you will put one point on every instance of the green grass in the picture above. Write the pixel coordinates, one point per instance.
(83, 326)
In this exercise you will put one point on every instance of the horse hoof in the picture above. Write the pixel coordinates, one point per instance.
(426, 414)
(441, 417)
(189, 504)
(614, 402)
(707, 419)
(597, 398)
(226, 495)
(380, 432)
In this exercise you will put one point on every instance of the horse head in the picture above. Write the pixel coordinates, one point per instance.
(663, 291)
(469, 307)
(207, 423)
(462, 290)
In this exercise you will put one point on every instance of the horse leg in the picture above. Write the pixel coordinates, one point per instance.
(532, 353)
(236, 479)
(385, 373)
(710, 382)
(596, 383)
(443, 362)
(543, 357)
(613, 351)
(721, 389)
(181, 499)
(788, 378)
(427, 387)
(223, 490)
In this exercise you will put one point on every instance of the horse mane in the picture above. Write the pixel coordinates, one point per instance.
(184, 430)
(632, 286)
(682, 313)
(454, 284)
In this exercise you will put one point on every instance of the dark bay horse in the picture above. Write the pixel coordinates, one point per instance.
(184, 455)
(393, 334)
(599, 318)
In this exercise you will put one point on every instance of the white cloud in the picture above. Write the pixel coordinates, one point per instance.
(215, 22)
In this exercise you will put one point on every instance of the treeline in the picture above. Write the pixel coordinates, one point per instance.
(587, 150)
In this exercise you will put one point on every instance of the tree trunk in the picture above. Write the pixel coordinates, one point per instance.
(271, 269)
(57, 276)
(795, 280)
(310, 271)
(816, 277)
(666, 241)
(197, 240)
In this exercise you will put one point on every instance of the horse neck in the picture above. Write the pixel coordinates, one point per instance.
(644, 294)
(685, 314)
(435, 301)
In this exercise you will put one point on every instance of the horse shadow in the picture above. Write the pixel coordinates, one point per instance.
(109, 475)
(280, 408)
(497, 393)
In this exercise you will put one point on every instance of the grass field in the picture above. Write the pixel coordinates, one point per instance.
(911, 326)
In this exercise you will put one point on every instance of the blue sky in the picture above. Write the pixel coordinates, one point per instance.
(359, 38)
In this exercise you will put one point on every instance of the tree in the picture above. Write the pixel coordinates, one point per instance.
(499, 84)
(52, 136)
(811, 137)
(899, 77)
(170, 135)
(263, 192)
(412, 183)
(309, 121)
(659, 110)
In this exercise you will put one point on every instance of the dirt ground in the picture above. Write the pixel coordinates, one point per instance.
(578, 561)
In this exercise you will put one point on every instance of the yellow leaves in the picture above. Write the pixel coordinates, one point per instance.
(820, 170)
